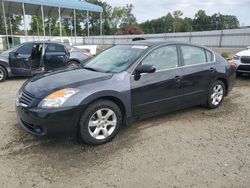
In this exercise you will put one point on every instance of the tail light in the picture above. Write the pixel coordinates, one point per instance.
(233, 64)
(88, 54)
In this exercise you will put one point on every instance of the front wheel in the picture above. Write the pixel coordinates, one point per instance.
(3, 74)
(216, 94)
(100, 122)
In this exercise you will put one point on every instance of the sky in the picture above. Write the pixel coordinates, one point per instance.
(146, 10)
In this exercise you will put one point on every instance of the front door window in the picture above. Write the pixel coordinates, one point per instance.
(163, 58)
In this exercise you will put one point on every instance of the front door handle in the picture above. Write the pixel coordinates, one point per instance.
(212, 69)
(178, 78)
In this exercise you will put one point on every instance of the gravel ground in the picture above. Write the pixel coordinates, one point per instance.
(190, 148)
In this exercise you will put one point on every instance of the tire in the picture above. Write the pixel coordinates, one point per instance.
(73, 64)
(3, 74)
(238, 74)
(95, 128)
(216, 94)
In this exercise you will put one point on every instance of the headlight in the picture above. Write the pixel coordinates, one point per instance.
(236, 57)
(58, 98)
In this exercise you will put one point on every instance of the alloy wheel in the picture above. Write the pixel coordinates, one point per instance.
(102, 123)
(217, 94)
(1, 74)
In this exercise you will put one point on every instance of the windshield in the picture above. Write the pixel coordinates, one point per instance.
(115, 59)
(10, 50)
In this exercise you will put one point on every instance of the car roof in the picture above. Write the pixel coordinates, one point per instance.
(153, 43)
(44, 41)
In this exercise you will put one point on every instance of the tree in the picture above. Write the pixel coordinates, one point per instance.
(177, 14)
(160, 25)
(15, 23)
(202, 21)
(36, 25)
(128, 18)
(131, 30)
(220, 21)
(177, 20)
(116, 18)
(94, 18)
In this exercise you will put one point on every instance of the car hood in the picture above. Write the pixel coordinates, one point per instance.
(4, 57)
(243, 53)
(44, 84)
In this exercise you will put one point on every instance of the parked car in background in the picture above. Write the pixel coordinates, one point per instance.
(32, 58)
(242, 60)
(64, 40)
(120, 85)
(68, 41)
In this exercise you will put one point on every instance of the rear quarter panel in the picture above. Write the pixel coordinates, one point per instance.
(225, 71)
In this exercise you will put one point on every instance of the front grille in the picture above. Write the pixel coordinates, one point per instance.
(245, 59)
(26, 98)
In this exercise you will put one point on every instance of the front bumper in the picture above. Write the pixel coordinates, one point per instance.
(242, 67)
(49, 122)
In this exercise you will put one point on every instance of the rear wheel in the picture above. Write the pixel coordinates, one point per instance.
(73, 64)
(216, 94)
(100, 122)
(3, 74)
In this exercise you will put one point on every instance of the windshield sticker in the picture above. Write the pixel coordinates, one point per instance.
(140, 47)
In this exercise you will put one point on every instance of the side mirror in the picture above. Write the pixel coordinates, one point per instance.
(13, 54)
(145, 69)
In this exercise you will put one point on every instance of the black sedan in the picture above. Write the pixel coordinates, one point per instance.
(120, 85)
(36, 57)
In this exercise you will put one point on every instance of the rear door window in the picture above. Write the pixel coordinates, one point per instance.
(55, 48)
(193, 55)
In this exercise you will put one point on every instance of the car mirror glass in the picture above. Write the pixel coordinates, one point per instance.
(16, 54)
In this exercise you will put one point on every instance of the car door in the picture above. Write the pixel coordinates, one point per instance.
(153, 92)
(19, 60)
(55, 56)
(199, 69)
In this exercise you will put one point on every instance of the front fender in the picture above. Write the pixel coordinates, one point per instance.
(6, 66)
(124, 98)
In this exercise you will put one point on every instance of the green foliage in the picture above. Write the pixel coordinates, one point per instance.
(15, 22)
(116, 18)
(201, 22)
(225, 55)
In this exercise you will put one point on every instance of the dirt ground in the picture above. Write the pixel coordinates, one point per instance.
(189, 148)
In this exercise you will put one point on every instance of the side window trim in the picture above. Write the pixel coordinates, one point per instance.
(205, 51)
(212, 56)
